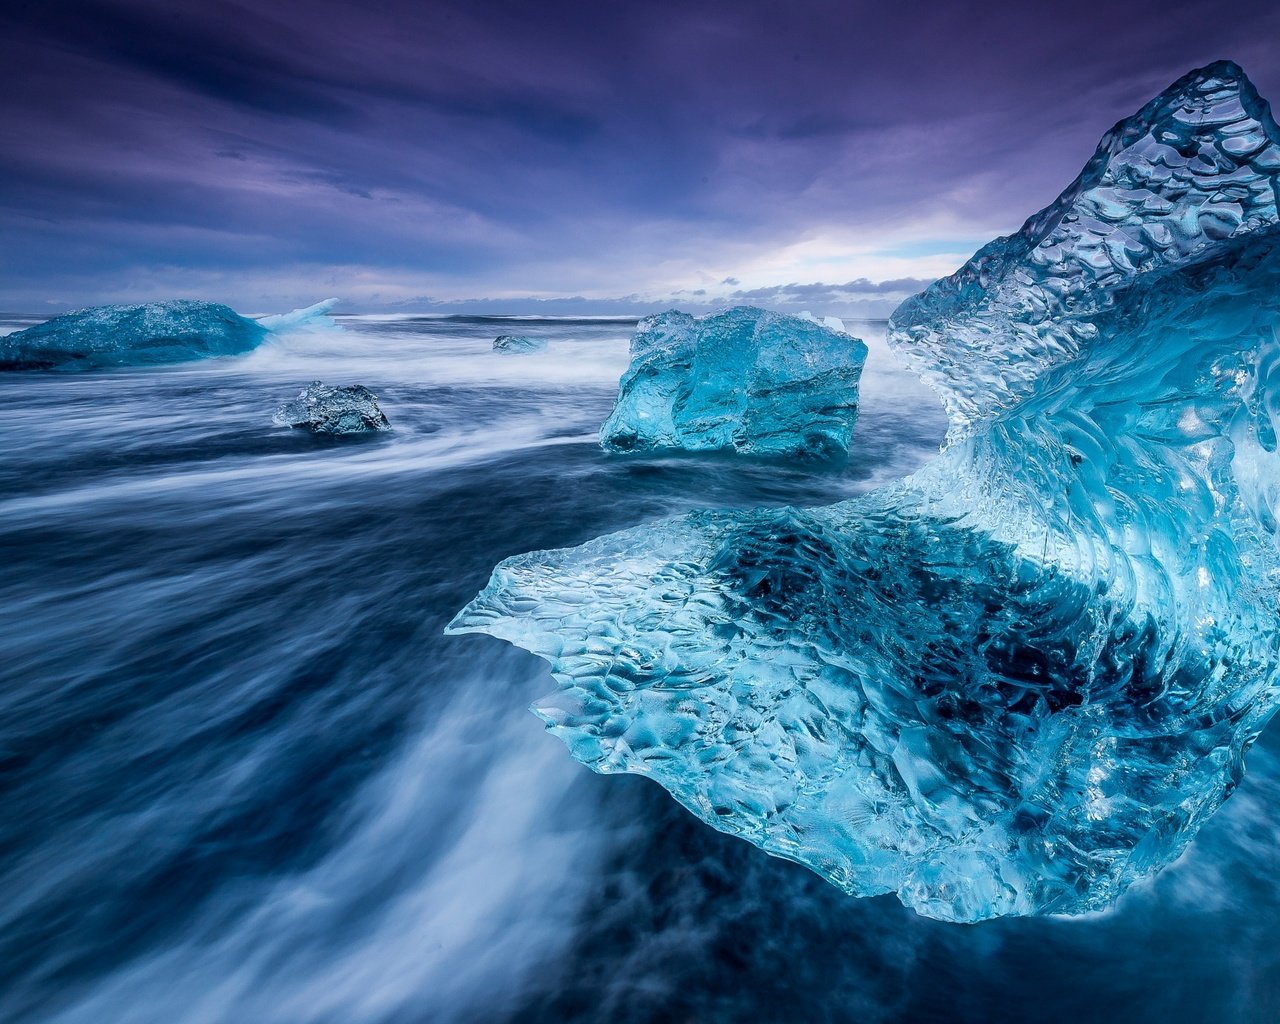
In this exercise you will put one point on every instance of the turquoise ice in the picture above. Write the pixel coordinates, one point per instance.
(1021, 679)
(148, 333)
(742, 380)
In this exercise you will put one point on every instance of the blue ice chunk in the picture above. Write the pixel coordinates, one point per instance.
(1022, 678)
(309, 318)
(1195, 167)
(145, 334)
(333, 411)
(514, 345)
(742, 380)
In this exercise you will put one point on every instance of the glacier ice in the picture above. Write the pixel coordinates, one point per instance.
(334, 411)
(153, 332)
(833, 322)
(308, 318)
(1022, 678)
(513, 345)
(742, 380)
(145, 334)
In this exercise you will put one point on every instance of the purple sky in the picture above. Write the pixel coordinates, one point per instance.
(422, 154)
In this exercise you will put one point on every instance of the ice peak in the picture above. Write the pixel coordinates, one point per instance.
(1196, 167)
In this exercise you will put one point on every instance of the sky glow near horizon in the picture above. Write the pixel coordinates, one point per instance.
(562, 157)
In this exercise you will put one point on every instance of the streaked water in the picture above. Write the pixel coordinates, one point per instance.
(246, 779)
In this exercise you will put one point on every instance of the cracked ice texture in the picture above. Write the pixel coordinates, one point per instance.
(334, 411)
(146, 334)
(742, 380)
(1022, 678)
(1197, 165)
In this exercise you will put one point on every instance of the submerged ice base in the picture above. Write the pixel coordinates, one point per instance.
(1022, 678)
(147, 334)
(743, 380)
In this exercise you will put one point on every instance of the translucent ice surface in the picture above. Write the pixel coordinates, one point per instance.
(153, 332)
(321, 409)
(308, 318)
(1196, 166)
(1022, 678)
(743, 380)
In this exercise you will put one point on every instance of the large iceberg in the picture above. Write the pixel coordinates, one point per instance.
(742, 380)
(1022, 678)
(145, 334)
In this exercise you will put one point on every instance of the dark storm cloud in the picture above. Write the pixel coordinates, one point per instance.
(401, 149)
(178, 45)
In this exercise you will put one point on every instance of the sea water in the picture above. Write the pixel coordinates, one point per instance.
(244, 777)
